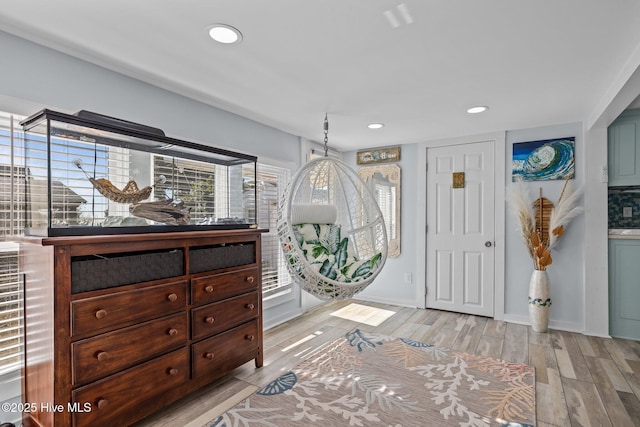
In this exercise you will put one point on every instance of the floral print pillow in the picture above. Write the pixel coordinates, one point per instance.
(332, 256)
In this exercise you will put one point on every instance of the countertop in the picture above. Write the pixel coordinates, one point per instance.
(624, 233)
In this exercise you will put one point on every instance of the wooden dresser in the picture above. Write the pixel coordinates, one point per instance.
(118, 326)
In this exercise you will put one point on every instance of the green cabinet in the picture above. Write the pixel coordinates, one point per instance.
(624, 288)
(624, 149)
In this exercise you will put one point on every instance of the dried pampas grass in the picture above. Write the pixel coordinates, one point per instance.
(523, 209)
(565, 210)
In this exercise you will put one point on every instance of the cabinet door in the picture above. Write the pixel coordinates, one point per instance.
(624, 151)
(624, 288)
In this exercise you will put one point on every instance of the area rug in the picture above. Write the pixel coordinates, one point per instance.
(365, 379)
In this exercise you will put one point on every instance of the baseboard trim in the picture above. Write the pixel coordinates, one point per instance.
(400, 303)
(553, 324)
(278, 320)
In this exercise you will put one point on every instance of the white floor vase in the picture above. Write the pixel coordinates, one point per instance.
(539, 301)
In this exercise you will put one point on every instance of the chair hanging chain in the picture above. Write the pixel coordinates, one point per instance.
(326, 135)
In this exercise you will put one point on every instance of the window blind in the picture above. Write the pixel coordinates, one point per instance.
(272, 182)
(11, 223)
(386, 197)
(10, 308)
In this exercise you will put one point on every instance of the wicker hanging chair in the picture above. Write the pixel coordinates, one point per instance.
(331, 230)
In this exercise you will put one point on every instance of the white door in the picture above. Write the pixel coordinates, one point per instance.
(460, 229)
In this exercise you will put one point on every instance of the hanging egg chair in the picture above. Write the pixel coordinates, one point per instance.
(331, 230)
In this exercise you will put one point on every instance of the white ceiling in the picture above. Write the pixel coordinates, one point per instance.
(534, 63)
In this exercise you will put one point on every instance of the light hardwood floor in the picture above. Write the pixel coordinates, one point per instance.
(580, 380)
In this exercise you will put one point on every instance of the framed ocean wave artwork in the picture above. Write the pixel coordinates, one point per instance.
(545, 160)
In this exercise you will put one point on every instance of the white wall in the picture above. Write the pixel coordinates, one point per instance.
(596, 298)
(39, 76)
(389, 286)
(566, 274)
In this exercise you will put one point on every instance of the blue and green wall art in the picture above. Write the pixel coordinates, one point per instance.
(545, 160)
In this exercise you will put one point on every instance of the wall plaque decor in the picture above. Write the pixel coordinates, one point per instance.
(378, 155)
(458, 180)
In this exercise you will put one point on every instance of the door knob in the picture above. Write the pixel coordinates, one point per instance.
(487, 244)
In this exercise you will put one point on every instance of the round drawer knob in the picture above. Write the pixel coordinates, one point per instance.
(102, 403)
(250, 279)
(173, 372)
(249, 337)
(209, 289)
(172, 297)
(102, 356)
(209, 319)
(172, 332)
(100, 314)
(208, 356)
(250, 306)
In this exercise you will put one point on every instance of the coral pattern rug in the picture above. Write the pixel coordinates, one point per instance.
(365, 379)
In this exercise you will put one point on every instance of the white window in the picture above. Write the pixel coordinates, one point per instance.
(11, 223)
(272, 182)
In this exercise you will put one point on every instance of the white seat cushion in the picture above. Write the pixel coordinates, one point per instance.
(313, 214)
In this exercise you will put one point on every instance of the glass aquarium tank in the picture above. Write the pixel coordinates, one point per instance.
(88, 174)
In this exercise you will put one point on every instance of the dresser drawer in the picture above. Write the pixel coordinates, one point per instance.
(105, 354)
(219, 354)
(121, 308)
(123, 396)
(218, 286)
(222, 315)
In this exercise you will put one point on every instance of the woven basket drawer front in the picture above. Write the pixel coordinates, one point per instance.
(219, 316)
(103, 273)
(129, 392)
(97, 357)
(218, 286)
(217, 257)
(100, 314)
(226, 351)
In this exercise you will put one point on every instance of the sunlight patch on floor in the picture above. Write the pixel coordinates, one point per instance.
(371, 316)
(302, 341)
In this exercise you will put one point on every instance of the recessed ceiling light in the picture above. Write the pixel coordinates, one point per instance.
(226, 34)
(375, 125)
(477, 109)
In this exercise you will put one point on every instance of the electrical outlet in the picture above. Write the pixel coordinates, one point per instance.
(604, 174)
(627, 212)
(407, 277)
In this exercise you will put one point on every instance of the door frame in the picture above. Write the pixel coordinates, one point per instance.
(500, 180)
